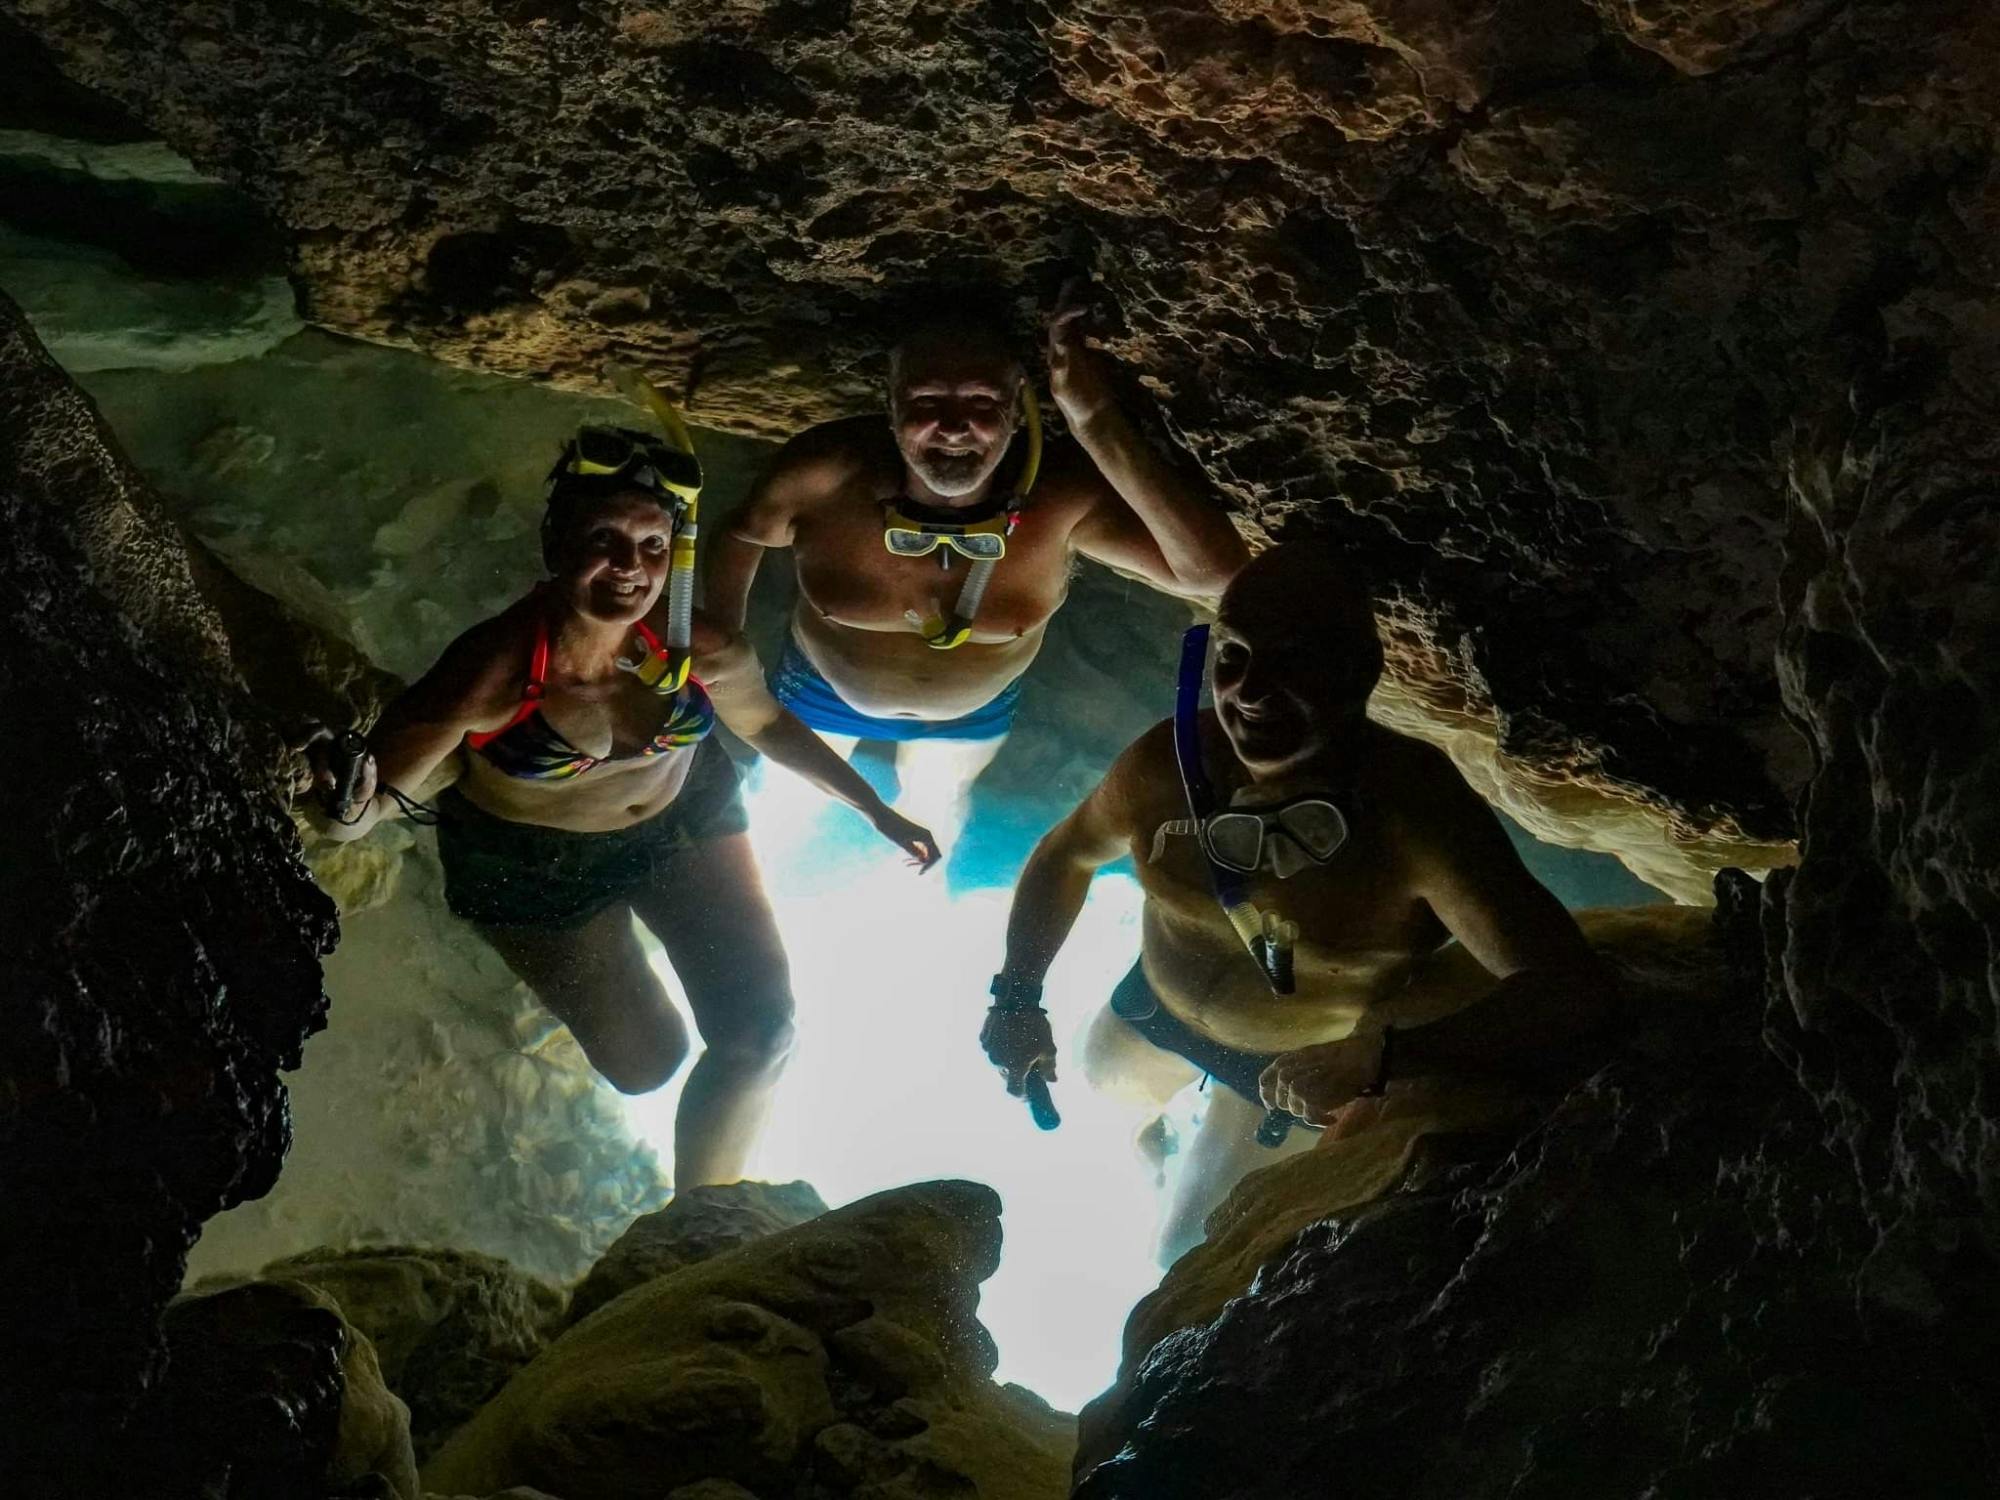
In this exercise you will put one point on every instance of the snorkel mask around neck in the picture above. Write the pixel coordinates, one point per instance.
(911, 530)
(1281, 839)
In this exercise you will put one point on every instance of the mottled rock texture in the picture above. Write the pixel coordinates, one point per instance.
(449, 1327)
(840, 1357)
(699, 1223)
(162, 935)
(1521, 300)
(1668, 1289)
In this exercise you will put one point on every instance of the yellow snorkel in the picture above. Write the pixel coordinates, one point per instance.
(946, 634)
(680, 576)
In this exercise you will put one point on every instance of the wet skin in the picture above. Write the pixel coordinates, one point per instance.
(851, 619)
(1426, 861)
(953, 416)
(713, 919)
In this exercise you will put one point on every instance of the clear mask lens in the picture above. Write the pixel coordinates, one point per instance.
(1236, 840)
(909, 543)
(980, 546)
(1317, 827)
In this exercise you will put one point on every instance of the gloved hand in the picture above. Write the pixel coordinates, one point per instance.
(1019, 1042)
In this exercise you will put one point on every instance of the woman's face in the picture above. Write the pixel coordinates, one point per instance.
(615, 557)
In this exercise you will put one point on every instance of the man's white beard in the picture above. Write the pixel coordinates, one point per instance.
(951, 475)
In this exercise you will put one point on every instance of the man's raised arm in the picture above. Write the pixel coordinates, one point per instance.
(1157, 527)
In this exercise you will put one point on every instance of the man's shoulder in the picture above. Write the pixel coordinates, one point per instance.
(1416, 785)
(1146, 777)
(826, 461)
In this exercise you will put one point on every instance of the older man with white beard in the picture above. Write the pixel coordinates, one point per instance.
(930, 554)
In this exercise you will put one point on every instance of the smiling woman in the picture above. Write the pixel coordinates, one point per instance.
(591, 793)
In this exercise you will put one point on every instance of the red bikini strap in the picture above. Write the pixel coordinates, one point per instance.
(532, 694)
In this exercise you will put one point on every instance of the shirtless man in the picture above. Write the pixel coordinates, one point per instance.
(858, 664)
(1423, 860)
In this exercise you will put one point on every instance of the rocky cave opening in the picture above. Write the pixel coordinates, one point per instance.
(1645, 359)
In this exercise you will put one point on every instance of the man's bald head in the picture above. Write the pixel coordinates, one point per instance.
(1302, 594)
(952, 345)
(954, 392)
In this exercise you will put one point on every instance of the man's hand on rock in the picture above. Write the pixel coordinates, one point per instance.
(1019, 1042)
(1315, 1082)
(1079, 377)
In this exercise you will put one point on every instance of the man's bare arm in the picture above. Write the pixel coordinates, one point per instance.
(1555, 1001)
(1153, 524)
(1051, 891)
(1056, 878)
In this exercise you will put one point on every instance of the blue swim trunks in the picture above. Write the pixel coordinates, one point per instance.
(796, 683)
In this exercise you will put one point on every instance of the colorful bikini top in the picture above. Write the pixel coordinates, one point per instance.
(529, 747)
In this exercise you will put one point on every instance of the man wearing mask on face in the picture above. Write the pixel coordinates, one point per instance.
(931, 554)
(1300, 865)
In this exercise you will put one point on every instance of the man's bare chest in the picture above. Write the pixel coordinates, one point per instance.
(848, 576)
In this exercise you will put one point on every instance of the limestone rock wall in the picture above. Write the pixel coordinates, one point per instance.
(1521, 300)
(163, 936)
(842, 1356)
(1668, 1289)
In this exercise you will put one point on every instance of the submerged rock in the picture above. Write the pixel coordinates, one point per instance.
(1409, 1141)
(846, 1349)
(1654, 1294)
(449, 1326)
(699, 1223)
(272, 1395)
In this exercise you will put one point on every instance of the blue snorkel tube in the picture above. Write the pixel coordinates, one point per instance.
(1269, 939)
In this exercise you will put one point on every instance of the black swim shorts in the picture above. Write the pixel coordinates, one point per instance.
(503, 874)
(1137, 1006)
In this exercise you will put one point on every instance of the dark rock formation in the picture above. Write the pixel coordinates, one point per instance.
(841, 1357)
(699, 1223)
(1885, 997)
(1752, 1262)
(163, 935)
(449, 1327)
(1520, 300)
(1654, 1295)
(252, 1398)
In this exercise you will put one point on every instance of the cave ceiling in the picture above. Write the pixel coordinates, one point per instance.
(1526, 301)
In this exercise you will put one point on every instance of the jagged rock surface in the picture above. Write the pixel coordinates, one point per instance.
(253, 1400)
(163, 936)
(1654, 1294)
(449, 1327)
(840, 1357)
(1519, 300)
(699, 1223)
